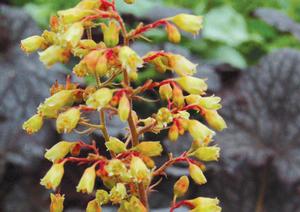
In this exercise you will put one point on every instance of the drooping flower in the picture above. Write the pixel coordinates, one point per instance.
(57, 202)
(197, 174)
(53, 177)
(67, 121)
(129, 59)
(189, 23)
(87, 181)
(34, 124)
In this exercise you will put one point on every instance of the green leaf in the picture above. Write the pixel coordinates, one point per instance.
(225, 25)
(227, 54)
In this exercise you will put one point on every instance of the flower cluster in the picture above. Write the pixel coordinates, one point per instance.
(129, 174)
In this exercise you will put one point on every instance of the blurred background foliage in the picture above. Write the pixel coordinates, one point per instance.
(232, 34)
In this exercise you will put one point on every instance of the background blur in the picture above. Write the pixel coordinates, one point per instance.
(248, 50)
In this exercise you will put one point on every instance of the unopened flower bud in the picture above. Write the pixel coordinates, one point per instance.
(166, 91)
(148, 161)
(192, 85)
(164, 116)
(124, 108)
(67, 121)
(54, 23)
(184, 125)
(74, 34)
(109, 182)
(111, 33)
(87, 181)
(115, 145)
(129, 59)
(115, 167)
(54, 176)
(102, 197)
(188, 23)
(196, 144)
(57, 202)
(59, 151)
(129, 1)
(209, 103)
(91, 60)
(33, 44)
(204, 204)
(161, 63)
(139, 170)
(34, 124)
(211, 153)
(73, 15)
(100, 98)
(50, 107)
(84, 47)
(118, 193)
(199, 131)
(178, 98)
(89, 4)
(93, 206)
(173, 133)
(215, 120)
(174, 35)
(181, 186)
(197, 174)
(54, 54)
(149, 148)
(181, 65)
(102, 66)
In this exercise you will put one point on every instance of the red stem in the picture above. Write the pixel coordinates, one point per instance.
(148, 27)
(182, 203)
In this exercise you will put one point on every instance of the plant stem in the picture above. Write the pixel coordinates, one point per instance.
(104, 130)
(135, 141)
